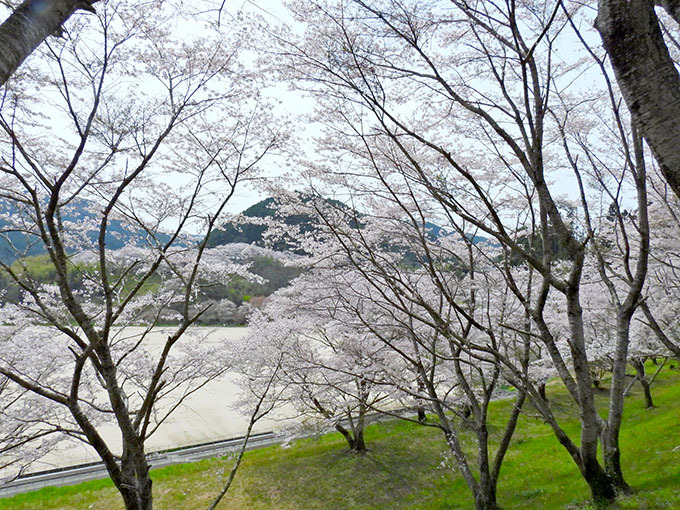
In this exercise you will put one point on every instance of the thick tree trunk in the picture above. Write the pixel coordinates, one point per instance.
(355, 441)
(646, 74)
(134, 482)
(359, 444)
(612, 461)
(485, 499)
(601, 485)
(138, 498)
(29, 25)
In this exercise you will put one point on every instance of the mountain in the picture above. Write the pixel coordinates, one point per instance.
(252, 233)
(244, 232)
(15, 244)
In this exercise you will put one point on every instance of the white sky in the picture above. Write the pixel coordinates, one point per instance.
(293, 104)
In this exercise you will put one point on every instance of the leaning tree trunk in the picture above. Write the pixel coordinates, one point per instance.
(645, 72)
(639, 366)
(29, 25)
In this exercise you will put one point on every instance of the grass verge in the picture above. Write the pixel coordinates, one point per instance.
(407, 468)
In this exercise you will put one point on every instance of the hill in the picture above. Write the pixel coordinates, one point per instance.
(254, 233)
(15, 243)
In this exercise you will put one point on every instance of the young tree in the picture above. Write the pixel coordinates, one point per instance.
(136, 139)
(325, 369)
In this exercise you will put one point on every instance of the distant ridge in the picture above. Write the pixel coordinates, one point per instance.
(15, 244)
(253, 233)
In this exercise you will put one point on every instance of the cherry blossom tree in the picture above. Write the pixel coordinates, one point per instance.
(139, 139)
(431, 307)
(327, 370)
(659, 308)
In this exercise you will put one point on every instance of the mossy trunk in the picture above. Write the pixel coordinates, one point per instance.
(602, 489)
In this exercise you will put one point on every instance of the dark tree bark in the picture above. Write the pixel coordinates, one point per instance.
(542, 392)
(354, 436)
(639, 365)
(356, 442)
(645, 72)
(29, 25)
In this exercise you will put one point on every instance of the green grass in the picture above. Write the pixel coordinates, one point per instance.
(407, 468)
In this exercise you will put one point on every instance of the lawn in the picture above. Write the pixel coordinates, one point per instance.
(407, 468)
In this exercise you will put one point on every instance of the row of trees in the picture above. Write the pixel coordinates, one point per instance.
(470, 116)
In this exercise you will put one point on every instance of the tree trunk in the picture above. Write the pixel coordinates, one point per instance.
(29, 25)
(485, 499)
(639, 366)
(610, 432)
(485, 496)
(647, 77)
(601, 487)
(356, 442)
(612, 461)
(138, 497)
(134, 482)
(542, 393)
(359, 444)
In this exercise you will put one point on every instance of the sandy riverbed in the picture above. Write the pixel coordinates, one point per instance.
(207, 415)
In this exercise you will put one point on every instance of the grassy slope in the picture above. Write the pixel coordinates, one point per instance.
(407, 468)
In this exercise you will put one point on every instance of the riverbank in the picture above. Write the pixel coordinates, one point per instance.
(407, 468)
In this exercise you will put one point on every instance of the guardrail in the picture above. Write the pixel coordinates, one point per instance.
(71, 475)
